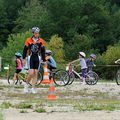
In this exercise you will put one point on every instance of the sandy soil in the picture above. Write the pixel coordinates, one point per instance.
(13, 114)
(63, 112)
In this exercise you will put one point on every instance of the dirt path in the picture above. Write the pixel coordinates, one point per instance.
(13, 114)
(61, 110)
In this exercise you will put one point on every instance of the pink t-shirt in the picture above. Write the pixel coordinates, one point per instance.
(18, 64)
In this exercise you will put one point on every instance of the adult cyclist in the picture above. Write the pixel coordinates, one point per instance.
(34, 47)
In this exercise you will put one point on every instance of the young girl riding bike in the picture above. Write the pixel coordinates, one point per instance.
(18, 65)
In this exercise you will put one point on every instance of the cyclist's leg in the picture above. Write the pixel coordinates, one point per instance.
(34, 72)
(84, 72)
(28, 62)
(16, 74)
(34, 81)
(30, 74)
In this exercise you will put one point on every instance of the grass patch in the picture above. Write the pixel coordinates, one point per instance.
(1, 116)
(23, 111)
(94, 105)
(40, 110)
(6, 105)
(23, 106)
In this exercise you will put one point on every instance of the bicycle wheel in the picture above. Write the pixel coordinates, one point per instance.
(61, 78)
(11, 81)
(71, 78)
(39, 78)
(118, 77)
(91, 78)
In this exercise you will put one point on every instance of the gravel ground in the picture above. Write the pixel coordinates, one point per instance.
(74, 91)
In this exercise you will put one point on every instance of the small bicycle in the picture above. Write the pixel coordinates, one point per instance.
(22, 76)
(59, 76)
(117, 76)
(91, 76)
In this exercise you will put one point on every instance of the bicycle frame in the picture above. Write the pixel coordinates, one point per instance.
(91, 76)
(71, 70)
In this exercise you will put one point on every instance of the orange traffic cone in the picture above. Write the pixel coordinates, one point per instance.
(46, 79)
(51, 94)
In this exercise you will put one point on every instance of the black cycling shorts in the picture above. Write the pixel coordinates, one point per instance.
(18, 70)
(34, 61)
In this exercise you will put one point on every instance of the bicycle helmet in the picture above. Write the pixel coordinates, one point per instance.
(82, 54)
(49, 52)
(35, 29)
(93, 56)
(17, 54)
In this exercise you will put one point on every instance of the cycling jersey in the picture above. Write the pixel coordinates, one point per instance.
(32, 47)
(51, 62)
(18, 63)
(90, 64)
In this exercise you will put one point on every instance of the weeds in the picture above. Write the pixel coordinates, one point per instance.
(40, 110)
(6, 105)
(1, 116)
(23, 111)
(23, 106)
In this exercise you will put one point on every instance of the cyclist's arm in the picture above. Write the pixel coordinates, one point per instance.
(25, 51)
(117, 61)
(77, 65)
(43, 53)
(74, 61)
(42, 49)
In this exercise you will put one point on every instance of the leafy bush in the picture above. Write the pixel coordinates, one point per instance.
(112, 54)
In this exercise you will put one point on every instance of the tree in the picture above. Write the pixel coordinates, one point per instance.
(15, 43)
(3, 25)
(77, 44)
(56, 46)
(112, 54)
(34, 14)
(12, 8)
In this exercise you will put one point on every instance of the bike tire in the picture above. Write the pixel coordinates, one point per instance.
(39, 78)
(91, 78)
(118, 77)
(61, 78)
(71, 78)
(10, 79)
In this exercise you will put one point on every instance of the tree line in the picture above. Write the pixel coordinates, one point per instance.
(92, 26)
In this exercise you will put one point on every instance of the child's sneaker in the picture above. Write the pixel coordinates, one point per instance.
(26, 88)
(83, 83)
(33, 90)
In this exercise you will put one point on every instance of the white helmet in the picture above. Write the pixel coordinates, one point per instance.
(49, 52)
(35, 29)
(82, 54)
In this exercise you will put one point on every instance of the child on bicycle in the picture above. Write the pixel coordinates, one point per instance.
(90, 62)
(18, 65)
(50, 60)
(83, 65)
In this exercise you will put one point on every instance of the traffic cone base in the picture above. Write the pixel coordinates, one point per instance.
(51, 93)
(51, 97)
(46, 81)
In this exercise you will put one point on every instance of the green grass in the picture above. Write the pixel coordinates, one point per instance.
(40, 110)
(97, 105)
(6, 105)
(1, 116)
(23, 111)
(23, 106)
